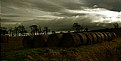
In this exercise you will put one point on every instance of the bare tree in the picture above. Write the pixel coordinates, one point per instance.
(77, 27)
(116, 25)
(34, 29)
(16, 31)
(53, 32)
(86, 29)
(22, 29)
(10, 30)
(3, 30)
(46, 30)
(39, 30)
(81, 28)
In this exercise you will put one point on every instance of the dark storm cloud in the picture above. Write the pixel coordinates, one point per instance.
(20, 6)
(62, 24)
(8, 20)
(108, 4)
(59, 13)
(43, 5)
(2, 15)
(71, 4)
(68, 14)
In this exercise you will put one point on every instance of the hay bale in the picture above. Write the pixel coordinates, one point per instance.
(113, 35)
(99, 38)
(83, 39)
(70, 40)
(106, 36)
(118, 32)
(103, 37)
(39, 41)
(53, 40)
(27, 42)
(13, 43)
(45, 37)
(89, 37)
(95, 38)
(110, 37)
(4, 38)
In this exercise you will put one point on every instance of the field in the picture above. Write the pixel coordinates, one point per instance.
(105, 51)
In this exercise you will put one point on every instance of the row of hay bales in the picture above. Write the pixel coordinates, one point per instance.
(12, 42)
(67, 39)
(85, 38)
(56, 40)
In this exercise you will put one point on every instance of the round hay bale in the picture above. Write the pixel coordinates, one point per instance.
(53, 40)
(70, 40)
(118, 32)
(89, 37)
(99, 38)
(83, 39)
(27, 42)
(106, 36)
(13, 43)
(4, 39)
(103, 37)
(110, 37)
(95, 38)
(45, 37)
(113, 35)
(39, 41)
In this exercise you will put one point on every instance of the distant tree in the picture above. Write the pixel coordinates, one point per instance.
(22, 29)
(86, 29)
(16, 31)
(53, 32)
(39, 30)
(11, 31)
(81, 28)
(3, 30)
(46, 30)
(34, 29)
(116, 25)
(68, 31)
(25, 32)
(77, 27)
(61, 32)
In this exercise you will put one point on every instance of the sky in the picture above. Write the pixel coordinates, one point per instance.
(60, 14)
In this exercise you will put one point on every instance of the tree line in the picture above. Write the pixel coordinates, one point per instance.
(37, 30)
(21, 30)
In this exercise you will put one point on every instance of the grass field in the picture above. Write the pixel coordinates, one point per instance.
(105, 51)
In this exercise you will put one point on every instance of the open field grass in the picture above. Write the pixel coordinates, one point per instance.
(105, 51)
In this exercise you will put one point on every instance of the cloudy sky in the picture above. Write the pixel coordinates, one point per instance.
(61, 14)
